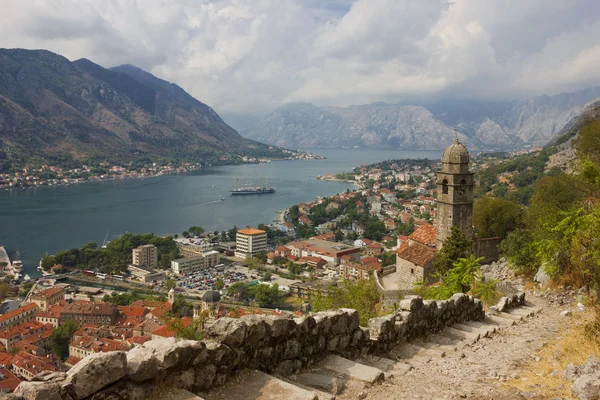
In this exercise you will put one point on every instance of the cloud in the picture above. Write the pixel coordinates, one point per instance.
(246, 57)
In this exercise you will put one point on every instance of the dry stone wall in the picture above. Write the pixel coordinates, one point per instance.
(278, 345)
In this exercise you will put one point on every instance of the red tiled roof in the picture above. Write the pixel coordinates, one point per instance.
(18, 311)
(133, 311)
(72, 360)
(9, 382)
(47, 293)
(425, 234)
(53, 312)
(5, 359)
(165, 331)
(138, 339)
(159, 311)
(417, 254)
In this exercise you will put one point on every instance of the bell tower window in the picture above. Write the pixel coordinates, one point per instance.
(463, 187)
(445, 186)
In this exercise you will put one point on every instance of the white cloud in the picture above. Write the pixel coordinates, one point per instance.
(248, 56)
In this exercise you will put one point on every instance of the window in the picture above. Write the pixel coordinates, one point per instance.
(412, 270)
(463, 187)
(445, 186)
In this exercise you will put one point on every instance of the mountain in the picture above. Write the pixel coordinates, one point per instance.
(432, 126)
(52, 106)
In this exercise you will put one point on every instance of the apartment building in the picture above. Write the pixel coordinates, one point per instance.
(47, 298)
(249, 242)
(21, 314)
(145, 256)
(89, 313)
(187, 265)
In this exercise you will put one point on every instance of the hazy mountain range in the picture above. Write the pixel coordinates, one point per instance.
(481, 124)
(52, 106)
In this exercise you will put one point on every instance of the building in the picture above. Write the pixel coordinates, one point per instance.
(21, 314)
(360, 271)
(83, 347)
(415, 257)
(305, 290)
(455, 192)
(48, 297)
(190, 250)
(146, 274)
(89, 313)
(27, 365)
(208, 259)
(145, 256)
(331, 252)
(8, 381)
(249, 242)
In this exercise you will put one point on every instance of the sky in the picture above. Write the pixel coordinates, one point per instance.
(246, 57)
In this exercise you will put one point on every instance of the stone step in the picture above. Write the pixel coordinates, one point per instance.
(351, 369)
(319, 381)
(466, 328)
(501, 321)
(535, 309)
(521, 311)
(489, 329)
(443, 341)
(382, 363)
(430, 350)
(417, 360)
(510, 316)
(405, 350)
(256, 385)
(174, 394)
(465, 337)
(401, 368)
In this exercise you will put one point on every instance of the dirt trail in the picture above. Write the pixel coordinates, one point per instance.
(477, 371)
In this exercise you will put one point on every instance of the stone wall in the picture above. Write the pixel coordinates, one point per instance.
(487, 248)
(278, 345)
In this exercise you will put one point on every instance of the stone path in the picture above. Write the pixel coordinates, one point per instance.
(468, 360)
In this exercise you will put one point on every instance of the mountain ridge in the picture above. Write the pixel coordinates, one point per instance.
(50, 106)
(489, 125)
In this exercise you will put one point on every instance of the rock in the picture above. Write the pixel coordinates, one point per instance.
(229, 331)
(173, 351)
(542, 277)
(362, 395)
(566, 313)
(571, 372)
(38, 391)
(587, 387)
(141, 364)
(96, 371)
(592, 366)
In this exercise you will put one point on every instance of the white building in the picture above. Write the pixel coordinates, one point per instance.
(187, 265)
(249, 242)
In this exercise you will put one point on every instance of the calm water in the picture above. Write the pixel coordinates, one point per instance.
(49, 219)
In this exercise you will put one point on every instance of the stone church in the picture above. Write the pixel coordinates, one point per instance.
(416, 256)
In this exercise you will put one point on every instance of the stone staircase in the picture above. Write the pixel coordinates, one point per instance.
(332, 375)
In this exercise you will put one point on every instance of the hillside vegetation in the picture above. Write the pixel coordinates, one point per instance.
(55, 110)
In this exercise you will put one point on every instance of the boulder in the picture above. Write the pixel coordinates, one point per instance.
(542, 277)
(96, 371)
(38, 391)
(587, 387)
(229, 331)
(172, 352)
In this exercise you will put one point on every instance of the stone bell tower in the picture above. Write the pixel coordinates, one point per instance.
(454, 192)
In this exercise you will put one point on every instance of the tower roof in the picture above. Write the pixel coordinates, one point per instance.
(456, 153)
(211, 296)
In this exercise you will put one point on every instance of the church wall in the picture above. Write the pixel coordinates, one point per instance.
(487, 248)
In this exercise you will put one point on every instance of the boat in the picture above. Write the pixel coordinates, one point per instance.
(247, 190)
(17, 264)
(222, 198)
(26, 278)
(106, 241)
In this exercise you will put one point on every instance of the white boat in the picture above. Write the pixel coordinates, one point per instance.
(17, 264)
(106, 241)
(26, 278)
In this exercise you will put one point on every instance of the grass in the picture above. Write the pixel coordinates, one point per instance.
(571, 346)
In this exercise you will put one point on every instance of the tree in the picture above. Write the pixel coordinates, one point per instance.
(339, 235)
(196, 230)
(360, 295)
(456, 246)
(48, 262)
(496, 218)
(170, 284)
(185, 234)
(239, 291)
(519, 249)
(60, 338)
(232, 233)
(219, 284)
(267, 276)
(294, 268)
(266, 295)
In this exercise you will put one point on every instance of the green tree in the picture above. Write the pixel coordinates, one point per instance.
(48, 262)
(519, 249)
(170, 284)
(456, 246)
(266, 295)
(232, 233)
(496, 218)
(219, 284)
(267, 276)
(239, 291)
(360, 295)
(60, 338)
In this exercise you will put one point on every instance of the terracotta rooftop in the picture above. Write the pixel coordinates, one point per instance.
(47, 293)
(133, 311)
(417, 254)
(89, 308)
(251, 231)
(426, 234)
(165, 331)
(72, 360)
(8, 381)
(5, 359)
(18, 311)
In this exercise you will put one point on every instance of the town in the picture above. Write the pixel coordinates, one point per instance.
(36, 174)
(385, 233)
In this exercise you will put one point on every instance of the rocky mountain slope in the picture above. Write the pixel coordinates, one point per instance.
(50, 105)
(483, 125)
